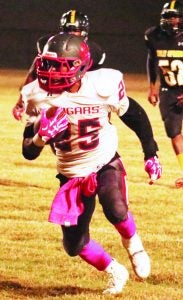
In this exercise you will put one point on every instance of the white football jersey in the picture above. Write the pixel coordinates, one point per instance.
(91, 140)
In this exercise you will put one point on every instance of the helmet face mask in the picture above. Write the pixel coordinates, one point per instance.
(75, 22)
(64, 61)
(171, 20)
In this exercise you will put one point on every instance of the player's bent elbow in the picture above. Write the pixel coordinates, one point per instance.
(29, 156)
(29, 150)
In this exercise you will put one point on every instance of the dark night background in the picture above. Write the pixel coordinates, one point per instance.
(117, 25)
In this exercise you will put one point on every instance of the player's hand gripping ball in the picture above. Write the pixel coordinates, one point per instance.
(51, 122)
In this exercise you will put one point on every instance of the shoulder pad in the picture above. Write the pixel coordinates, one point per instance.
(106, 81)
(32, 91)
(150, 32)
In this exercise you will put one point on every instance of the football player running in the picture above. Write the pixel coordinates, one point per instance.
(136, 119)
(165, 58)
(85, 142)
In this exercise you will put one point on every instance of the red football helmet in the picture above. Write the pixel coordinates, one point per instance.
(64, 61)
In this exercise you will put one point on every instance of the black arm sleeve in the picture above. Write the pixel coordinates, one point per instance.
(151, 67)
(151, 63)
(29, 150)
(137, 120)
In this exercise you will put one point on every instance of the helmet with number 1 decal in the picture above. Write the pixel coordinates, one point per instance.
(171, 19)
(74, 21)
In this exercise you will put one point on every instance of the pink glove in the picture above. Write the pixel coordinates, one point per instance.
(18, 112)
(52, 122)
(153, 168)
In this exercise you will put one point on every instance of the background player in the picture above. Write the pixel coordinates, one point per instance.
(85, 145)
(77, 23)
(165, 57)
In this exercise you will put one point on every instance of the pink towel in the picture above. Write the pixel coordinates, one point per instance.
(67, 204)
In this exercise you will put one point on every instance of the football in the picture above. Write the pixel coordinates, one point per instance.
(50, 112)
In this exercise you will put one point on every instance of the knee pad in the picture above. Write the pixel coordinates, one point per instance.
(116, 212)
(74, 246)
(112, 193)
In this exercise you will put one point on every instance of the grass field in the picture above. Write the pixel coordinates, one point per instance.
(33, 264)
